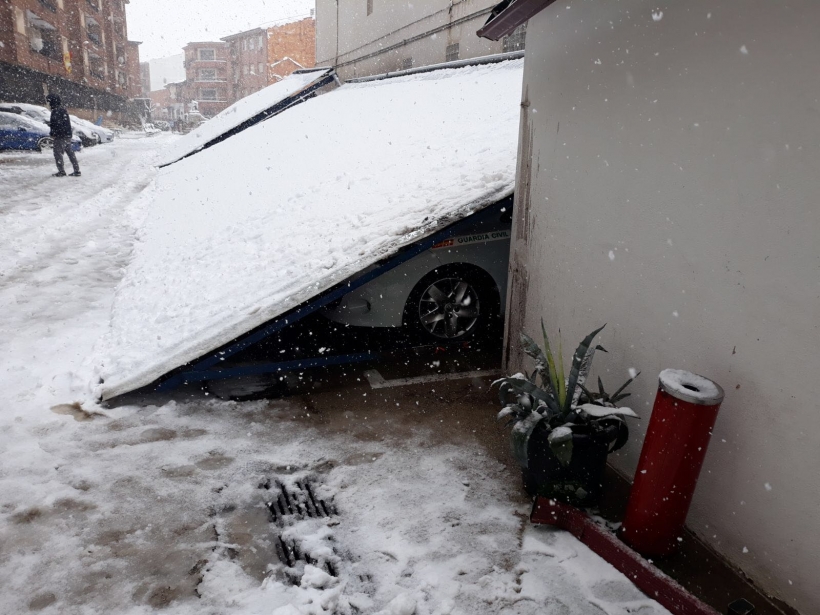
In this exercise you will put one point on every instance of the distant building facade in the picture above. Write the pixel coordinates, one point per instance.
(377, 36)
(145, 79)
(207, 68)
(291, 46)
(218, 73)
(249, 62)
(78, 49)
(263, 56)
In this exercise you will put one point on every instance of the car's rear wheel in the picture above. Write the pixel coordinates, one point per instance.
(452, 303)
(45, 143)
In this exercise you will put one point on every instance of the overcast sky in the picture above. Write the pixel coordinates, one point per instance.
(165, 26)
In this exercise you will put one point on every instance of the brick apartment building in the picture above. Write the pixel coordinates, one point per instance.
(218, 73)
(207, 68)
(249, 62)
(291, 46)
(76, 48)
(263, 56)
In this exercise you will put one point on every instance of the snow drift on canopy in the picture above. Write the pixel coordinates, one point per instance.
(240, 112)
(263, 221)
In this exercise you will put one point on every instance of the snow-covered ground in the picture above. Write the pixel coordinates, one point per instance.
(134, 509)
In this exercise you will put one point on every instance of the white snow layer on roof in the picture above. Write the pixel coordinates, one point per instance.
(263, 221)
(240, 111)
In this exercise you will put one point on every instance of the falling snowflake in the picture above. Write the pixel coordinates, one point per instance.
(743, 50)
(657, 15)
(611, 255)
(598, 61)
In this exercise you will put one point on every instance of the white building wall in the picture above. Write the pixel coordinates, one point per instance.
(167, 70)
(674, 193)
(359, 44)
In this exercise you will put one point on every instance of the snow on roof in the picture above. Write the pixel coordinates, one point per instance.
(241, 111)
(252, 227)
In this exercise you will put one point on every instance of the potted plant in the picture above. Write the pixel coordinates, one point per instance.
(562, 432)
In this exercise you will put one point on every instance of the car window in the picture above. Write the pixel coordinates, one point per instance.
(9, 121)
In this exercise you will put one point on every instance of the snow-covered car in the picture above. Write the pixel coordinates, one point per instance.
(20, 132)
(150, 129)
(41, 114)
(98, 133)
(454, 291)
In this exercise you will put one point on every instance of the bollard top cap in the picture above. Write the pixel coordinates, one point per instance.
(690, 387)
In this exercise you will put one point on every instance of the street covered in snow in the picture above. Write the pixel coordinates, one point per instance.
(134, 508)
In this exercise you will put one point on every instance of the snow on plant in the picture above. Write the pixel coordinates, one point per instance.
(563, 402)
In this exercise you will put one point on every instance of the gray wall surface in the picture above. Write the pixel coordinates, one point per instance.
(669, 185)
(361, 45)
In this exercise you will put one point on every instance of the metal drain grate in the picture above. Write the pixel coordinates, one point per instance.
(300, 502)
(290, 555)
(295, 502)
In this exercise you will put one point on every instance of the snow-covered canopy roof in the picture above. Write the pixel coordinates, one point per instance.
(257, 224)
(241, 111)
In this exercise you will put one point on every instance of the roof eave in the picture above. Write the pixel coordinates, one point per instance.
(503, 23)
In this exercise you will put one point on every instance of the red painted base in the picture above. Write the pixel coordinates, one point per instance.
(644, 575)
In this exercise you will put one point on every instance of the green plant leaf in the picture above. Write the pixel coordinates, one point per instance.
(553, 377)
(577, 361)
(520, 385)
(624, 385)
(532, 349)
(562, 381)
(520, 437)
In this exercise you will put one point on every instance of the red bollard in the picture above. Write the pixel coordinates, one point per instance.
(685, 411)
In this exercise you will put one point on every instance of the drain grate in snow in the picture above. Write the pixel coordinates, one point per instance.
(299, 501)
(291, 503)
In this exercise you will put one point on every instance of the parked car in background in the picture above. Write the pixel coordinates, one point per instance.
(99, 133)
(150, 129)
(20, 132)
(41, 114)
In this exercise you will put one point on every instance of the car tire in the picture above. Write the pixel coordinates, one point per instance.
(452, 303)
(45, 143)
(97, 139)
(249, 388)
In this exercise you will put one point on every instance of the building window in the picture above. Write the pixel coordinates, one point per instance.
(407, 63)
(244, 44)
(207, 94)
(93, 30)
(49, 5)
(94, 4)
(207, 74)
(369, 7)
(261, 42)
(452, 52)
(207, 55)
(246, 69)
(43, 37)
(516, 40)
(96, 66)
(260, 69)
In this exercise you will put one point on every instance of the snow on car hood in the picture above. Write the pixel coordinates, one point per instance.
(241, 111)
(261, 222)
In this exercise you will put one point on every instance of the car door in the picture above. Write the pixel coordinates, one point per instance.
(13, 135)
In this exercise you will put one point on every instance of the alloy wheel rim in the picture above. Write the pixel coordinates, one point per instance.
(449, 308)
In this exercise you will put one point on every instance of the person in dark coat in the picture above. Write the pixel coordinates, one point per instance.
(61, 133)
